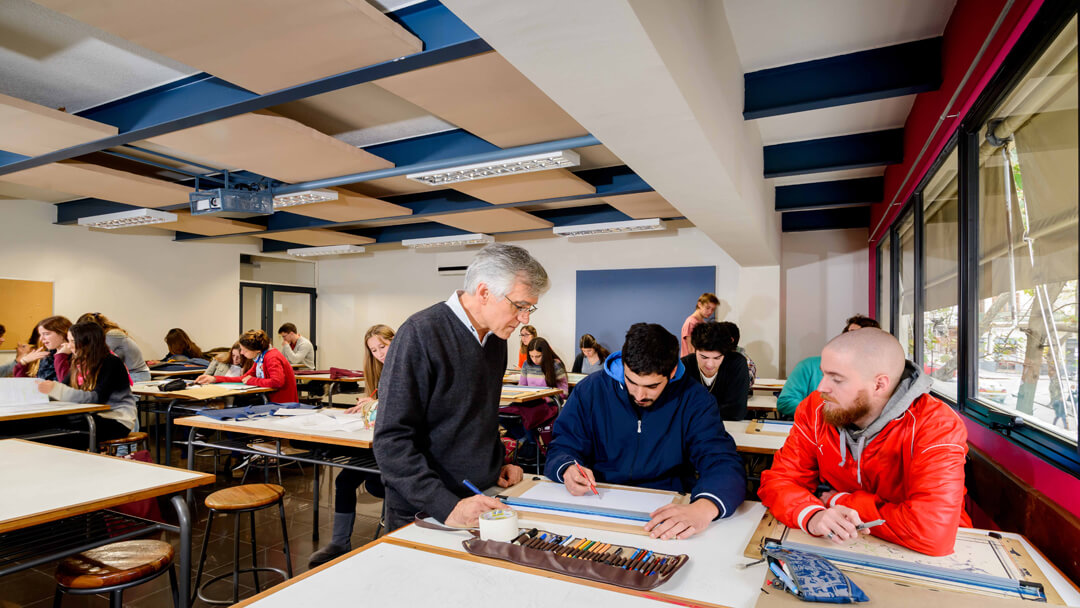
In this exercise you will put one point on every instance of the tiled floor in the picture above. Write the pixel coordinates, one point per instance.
(35, 587)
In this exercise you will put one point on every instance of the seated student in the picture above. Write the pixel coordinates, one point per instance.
(231, 363)
(50, 359)
(722, 371)
(269, 369)
(592, 355)
(121, 345)
(181, 348)
(296, 348)
(804, 379)
(888, 450)
(377, 339)
(733, 329)
(642, 423)
(96, 376)
(526, 333)
(543, 369)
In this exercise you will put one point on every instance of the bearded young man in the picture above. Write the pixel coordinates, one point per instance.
(886, 447)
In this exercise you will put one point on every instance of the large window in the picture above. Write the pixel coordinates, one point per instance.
(1027, 275)
(981, 270)
(941, 311)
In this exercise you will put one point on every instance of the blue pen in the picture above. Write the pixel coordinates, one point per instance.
(784, 578)
(631, 560)
(469, 484)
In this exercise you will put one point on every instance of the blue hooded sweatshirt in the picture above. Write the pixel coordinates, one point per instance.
(678, 443)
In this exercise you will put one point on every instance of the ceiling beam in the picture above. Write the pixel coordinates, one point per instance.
(826, 219)
(891, 71)
(835, 153)
(828, 195)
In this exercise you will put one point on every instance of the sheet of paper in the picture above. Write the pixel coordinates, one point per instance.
(20, 391)
(323, 422)
(520, 389)
(609, 498)
(294, 411)
(775, 427)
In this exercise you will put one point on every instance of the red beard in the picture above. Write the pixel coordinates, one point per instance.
(839, 416)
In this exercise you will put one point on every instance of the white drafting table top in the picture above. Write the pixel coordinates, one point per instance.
(757, 443)
(44, 483)
(53, 408)
(270, 426)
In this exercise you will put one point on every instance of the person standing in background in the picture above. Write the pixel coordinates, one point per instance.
(706, 307)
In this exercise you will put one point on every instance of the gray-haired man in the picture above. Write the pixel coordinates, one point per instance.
(439, 392)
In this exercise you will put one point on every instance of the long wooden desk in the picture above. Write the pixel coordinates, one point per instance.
(764, 405)
(512, 377)
(54, 504)
(525, 394)
(758, 436)
(768, 384)
(334, 383)
(55, 408)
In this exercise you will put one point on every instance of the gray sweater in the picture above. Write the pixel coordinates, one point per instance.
(124, 347)
(438, 415)
(303, 354)
(113, 389)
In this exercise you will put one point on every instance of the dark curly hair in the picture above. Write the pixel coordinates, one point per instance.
(862, 321)
(650, 349)
(713, 337)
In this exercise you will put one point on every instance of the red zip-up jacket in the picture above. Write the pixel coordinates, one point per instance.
(911, 472)
(278, 374)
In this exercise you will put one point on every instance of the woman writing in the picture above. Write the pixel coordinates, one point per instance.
(269, 368)
(181, 348)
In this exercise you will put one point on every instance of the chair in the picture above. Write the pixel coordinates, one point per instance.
(113, 568)
(237, 500)
(123, 446)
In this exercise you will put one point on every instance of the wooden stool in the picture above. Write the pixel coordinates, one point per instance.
(113, 568)
(131, 442)
(239, 499)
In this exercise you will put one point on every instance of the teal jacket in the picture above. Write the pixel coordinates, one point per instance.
(802, 381)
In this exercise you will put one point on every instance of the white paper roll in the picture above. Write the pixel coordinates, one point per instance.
(499, 525)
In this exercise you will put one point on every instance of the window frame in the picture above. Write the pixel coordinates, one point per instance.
(1047, 24)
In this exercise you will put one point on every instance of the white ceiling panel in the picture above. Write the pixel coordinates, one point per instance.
(831, 122)
(828, 176)
(772, 33)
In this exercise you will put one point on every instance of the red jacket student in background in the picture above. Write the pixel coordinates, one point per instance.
(886, 448)
(269, 368)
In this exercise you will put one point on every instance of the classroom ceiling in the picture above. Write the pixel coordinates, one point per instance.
(119, 104)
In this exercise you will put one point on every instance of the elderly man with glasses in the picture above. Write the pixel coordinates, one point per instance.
(440, 388)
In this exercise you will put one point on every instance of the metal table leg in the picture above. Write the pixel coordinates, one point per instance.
(91, 427)
(183, 518)
(189, 496)
(168, 432)
(315, 502)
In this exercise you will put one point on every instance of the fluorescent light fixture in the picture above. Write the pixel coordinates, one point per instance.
(304, 197)
(498, 168)
(127, 219)
(313, 252)
(449, 241)
(609, 227)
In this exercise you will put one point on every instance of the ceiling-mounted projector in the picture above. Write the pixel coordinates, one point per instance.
(226, 202)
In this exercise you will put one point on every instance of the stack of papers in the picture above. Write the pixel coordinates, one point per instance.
(18, 392)
(323, 421)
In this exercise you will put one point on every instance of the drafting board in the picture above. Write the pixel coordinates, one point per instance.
(641, 500)
(778, 428)
(977, 556)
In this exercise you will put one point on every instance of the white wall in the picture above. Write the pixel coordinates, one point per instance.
(825, 278)
(147, 284)
(356, 292)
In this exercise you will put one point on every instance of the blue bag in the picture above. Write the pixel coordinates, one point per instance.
(810, 577)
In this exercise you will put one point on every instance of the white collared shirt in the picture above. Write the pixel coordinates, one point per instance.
(454, 302)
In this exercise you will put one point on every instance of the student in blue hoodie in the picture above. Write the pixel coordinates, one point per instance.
(640, 423)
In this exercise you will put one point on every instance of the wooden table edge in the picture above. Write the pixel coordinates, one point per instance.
(85, 409)
(202, 422)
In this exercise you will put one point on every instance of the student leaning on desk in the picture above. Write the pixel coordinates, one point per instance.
(269, 368)
(641, 423)
(888, 449)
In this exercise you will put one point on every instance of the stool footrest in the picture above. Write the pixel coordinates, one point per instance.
(199, 591)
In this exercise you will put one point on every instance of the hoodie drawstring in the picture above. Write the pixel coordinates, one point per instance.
(856, 453)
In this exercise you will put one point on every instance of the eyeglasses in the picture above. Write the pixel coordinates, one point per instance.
(521, 308)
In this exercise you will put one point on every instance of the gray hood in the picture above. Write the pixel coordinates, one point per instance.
(913, 384)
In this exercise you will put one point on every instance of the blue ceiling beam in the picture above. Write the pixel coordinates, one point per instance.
(871, 149)
(396, 234)
(268, 245)
(188, 97)
(826, 219)
(892, 71)
(577, 216)
(434, 147)
(439, 201)
(11, 157)
(433, 23)
(827, 195)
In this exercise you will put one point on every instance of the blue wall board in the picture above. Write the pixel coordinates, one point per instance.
(610, 301)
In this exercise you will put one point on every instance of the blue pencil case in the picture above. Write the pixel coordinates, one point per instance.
(810, 577)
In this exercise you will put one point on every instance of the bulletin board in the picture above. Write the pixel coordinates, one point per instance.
(610, 301)
(22, 305)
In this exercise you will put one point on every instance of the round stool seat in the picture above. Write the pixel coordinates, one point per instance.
(114, 564)
(248, 496)
(131, 438)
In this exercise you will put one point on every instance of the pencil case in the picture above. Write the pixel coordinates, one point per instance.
(589, 569)
(810, 577)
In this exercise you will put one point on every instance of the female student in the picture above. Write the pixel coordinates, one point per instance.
(232, 363)
(527, 333)
(269, 368)
(592, 356)
(96, 376)
(377, 339)
(48, 361)
(121, 345)
(181, 347)
(543, 369)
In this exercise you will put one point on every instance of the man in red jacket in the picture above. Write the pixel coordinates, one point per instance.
(886, 447)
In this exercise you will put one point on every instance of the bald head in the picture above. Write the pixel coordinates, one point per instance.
(870, 352)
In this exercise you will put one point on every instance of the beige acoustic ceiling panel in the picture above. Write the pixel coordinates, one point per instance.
(208, 225)
(389, 186)
(643, 205)
(29, 129)
(85, 179)
(318, 238)
(261, 45)
(526, 187)
(271, 145)
(597, 157)
(492, 220)
(349, 207)
(486, 96)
